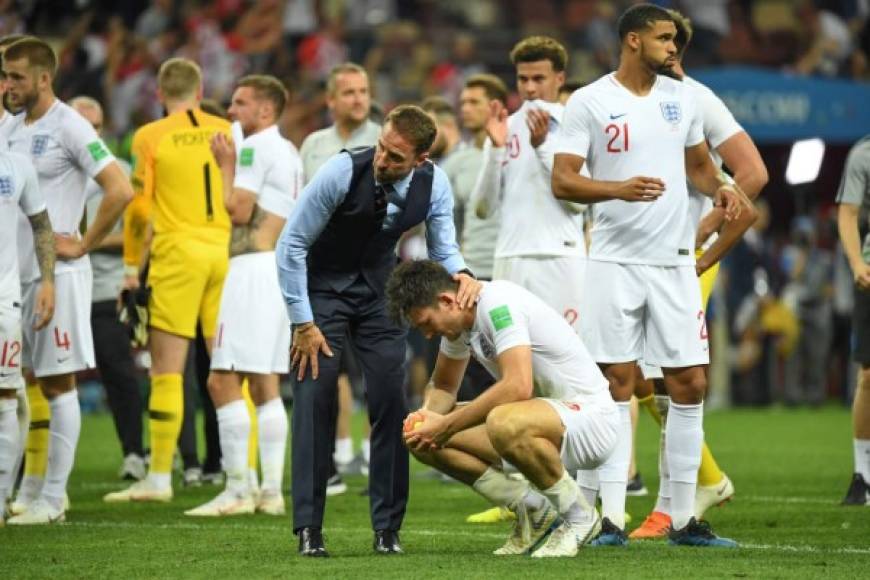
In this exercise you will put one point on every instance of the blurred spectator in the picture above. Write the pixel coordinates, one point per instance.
(155, 19)
(809, 269)
(827, 38)
(258, 33)
(321, 51)
(448, 76)
(448, 136)
(399, 63)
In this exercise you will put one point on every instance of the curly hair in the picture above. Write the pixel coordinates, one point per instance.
(416, 284)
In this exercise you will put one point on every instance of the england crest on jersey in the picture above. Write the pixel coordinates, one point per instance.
(7, 186)
(38, 145)
(671, 111)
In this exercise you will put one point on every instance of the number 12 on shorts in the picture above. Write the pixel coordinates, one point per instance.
(9, 355)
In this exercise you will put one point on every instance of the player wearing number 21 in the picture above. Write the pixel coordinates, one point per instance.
(174, 170)
(641, 135)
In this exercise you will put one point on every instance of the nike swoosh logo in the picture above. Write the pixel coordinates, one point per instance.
(612, 117)
(62, 360)
(721, 490)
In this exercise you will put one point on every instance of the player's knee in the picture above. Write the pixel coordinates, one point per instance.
(504, 429)
(691, 390)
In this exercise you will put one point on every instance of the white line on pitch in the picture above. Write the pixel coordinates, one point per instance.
(451, 533)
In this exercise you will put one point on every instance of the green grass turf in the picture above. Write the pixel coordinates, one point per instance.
(790, 468)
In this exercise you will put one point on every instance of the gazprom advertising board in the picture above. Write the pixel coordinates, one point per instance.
(776, 107)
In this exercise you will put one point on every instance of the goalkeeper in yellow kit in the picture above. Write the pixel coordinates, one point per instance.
(178, 192)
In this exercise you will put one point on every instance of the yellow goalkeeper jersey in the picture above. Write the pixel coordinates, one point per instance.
(177, 182)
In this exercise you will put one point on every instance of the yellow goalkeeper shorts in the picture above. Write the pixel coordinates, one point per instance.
(186, 276)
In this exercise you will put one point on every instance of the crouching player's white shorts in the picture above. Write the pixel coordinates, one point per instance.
(10, 346)
(590, 433)
(253, 332)
(66, 345)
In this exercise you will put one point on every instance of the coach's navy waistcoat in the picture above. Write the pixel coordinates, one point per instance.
(354, 243)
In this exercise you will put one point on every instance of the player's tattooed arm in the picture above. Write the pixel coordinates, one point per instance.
(243, 240)
(43, 240)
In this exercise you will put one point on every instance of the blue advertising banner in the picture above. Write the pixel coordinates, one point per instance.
(775, 107)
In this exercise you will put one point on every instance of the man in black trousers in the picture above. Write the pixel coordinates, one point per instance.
(334, 256)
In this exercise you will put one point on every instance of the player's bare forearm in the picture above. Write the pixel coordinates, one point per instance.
(742, 158)
(111, 244)
(117, 195)
(440, 396)
(507, 390)
(43, 241)
(850, 237)
(729, 235)
(702, 173)
(569, 185)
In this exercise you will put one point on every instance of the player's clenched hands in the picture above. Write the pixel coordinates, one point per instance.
(469, 290)
(67, 247)
(538, 122)
(862, 276)
(431, 433)
(728, 199)
(640, 189)
(223, 150)
(496, 125)
(44, 305)
(308, 343)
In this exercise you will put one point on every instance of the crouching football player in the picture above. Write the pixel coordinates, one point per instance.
(549, 413)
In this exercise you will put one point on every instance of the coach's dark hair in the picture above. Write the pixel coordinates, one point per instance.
(536, 48)
(684, 31)
(415, 125)
(493, 86)
(38, 53)
(268, 88)
(640, 17)
(416, 284)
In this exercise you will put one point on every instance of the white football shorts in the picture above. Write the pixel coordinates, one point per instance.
(633, 311)
(10, 347)
(590, 433)
(557, 280)
(253, 332)
(66, 345)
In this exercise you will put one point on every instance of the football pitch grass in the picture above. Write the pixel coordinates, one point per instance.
(790, 469)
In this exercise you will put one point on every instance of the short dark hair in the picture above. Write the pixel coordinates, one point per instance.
(493, 86)
(536, 48)
(415, 125)
(37, 52)
(268, 88)
(438, 106)
(684, 31)
(640, 17)
(416, 284)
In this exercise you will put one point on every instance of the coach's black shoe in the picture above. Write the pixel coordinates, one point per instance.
(387, 542)
(635, 486)
(859, 492)
(311, 543)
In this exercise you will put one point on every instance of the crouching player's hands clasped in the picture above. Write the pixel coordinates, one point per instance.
(424, 430)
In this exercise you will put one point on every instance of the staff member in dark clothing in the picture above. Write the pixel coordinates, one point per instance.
(334, 257)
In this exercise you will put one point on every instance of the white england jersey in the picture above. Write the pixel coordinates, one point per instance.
(622, 135)
(66, 151)
(19, 188)
(6, 123)
(719, 126)
(533, 221)
(269, 166)
(508, 315)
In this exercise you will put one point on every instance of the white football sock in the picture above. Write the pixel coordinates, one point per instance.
(862, 458)
(663, 502)
(272, 427)
(685, 437)
(367, 450)
(566, 497)
(343, 450)
(499, 489)
(63, 432)
(234, 427)
(23, 413)
(587, 479)
(8, 446)
(613, 473)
